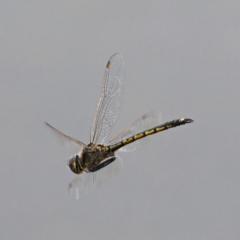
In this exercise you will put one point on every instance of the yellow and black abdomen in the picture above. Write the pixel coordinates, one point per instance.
(148, 132)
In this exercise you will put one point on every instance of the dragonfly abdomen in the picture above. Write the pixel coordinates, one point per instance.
(165, 126)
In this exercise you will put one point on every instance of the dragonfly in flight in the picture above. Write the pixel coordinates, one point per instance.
(99, 154)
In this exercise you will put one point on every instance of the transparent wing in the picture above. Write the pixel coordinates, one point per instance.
(146, 121)
(66, 139)
(88, 181)
(110, 101)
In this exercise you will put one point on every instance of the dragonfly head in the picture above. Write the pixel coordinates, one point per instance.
(74, 163)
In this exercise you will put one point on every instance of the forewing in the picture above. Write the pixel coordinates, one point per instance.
(110, 101)
(89, 181)
(146, 121)
(65, 138)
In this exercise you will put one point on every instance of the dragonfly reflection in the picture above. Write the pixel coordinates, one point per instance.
(99, 154)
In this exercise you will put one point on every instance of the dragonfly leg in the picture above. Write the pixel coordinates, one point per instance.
(103, 164)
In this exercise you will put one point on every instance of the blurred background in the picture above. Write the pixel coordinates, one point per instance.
(181, 57)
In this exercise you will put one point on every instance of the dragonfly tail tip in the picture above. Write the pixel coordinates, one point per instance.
(188, 120)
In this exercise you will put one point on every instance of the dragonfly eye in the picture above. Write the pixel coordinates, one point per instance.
(74, 164)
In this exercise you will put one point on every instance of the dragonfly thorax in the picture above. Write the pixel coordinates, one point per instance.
(90, 157)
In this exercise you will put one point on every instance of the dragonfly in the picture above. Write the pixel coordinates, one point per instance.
(99, 155)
